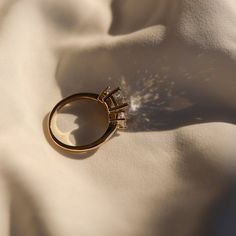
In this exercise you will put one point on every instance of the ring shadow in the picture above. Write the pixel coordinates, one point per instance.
(179, 87)
(168, 83)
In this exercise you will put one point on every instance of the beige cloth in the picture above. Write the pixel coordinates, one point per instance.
(172, 171)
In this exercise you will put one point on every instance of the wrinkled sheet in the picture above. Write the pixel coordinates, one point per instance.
(172, 171)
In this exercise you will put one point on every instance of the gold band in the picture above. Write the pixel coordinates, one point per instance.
(113, 109)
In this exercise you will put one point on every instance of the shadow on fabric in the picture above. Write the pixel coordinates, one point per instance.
(167, 87)
(25, 214)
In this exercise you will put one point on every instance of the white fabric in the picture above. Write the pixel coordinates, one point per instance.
(169, 172)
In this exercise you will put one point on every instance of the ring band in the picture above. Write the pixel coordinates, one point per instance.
(115, 113)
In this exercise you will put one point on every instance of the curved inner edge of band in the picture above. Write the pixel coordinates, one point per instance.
(90, 96)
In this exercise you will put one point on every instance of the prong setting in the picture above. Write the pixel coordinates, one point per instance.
(103, 94)
(116, 109)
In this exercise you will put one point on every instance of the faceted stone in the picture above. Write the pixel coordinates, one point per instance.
(122, 124)
(119, 97)
(122, 115)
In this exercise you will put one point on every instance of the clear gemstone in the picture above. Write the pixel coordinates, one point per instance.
(122, 115)
(119, 97)
(122, 124)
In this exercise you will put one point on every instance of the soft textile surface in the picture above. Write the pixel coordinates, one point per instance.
(172, 171)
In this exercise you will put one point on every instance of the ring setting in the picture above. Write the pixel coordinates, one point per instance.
(116, 111)
(115, 106)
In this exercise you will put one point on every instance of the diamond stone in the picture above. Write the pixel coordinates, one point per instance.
(122, 122)
(115, 100)
(122, 115)
(119, 97)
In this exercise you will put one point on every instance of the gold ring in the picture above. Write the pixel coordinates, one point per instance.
(115, 113)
